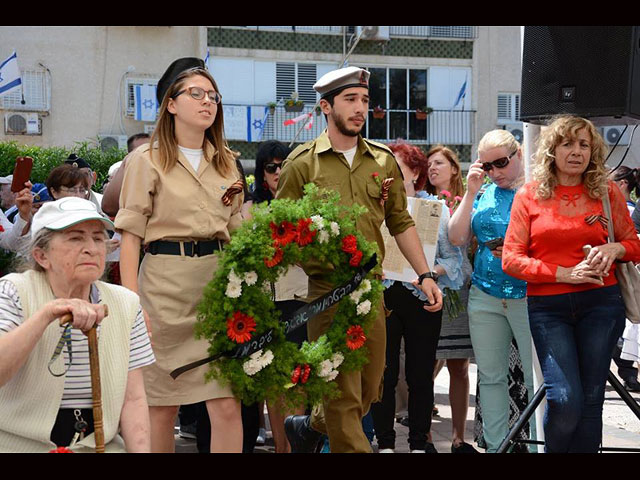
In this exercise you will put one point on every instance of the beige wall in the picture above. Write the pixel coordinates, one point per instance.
(87, 65)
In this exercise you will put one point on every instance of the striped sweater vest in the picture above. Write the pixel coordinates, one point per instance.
(30, 401)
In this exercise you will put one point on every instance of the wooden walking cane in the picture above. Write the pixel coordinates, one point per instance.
(96, 389)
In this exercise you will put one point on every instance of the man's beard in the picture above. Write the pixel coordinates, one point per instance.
(342, 127)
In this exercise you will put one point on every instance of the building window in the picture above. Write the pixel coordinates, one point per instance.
(36, 88)
(296, 77)
(508, 107)
(399, 91)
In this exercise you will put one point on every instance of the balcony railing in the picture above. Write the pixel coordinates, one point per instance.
(421, 31)
(257, 123)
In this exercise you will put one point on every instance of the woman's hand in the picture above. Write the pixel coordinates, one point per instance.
(85, 315)
(601, 258)
(112, 245)
(580, 273)
(24, 202)
(497, 252)
(475, 178)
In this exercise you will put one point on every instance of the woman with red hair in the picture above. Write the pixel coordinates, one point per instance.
(408, 320)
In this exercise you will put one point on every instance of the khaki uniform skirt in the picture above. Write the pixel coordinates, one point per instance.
(171, 287)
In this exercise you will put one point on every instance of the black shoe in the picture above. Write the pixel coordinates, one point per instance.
(632, 385)
(463, 448)
(302, 438)
(430, 448)
(404, 421)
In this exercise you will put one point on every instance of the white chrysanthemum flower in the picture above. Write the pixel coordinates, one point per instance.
(326, 367)
(337, 359)
(323, 237)
(335, 228)
(332, 376)
(233, 277)
(256, 355)
(355, 296)
(234, 290)
(364, 308)
(317, 221)
(267, 358)
(250, 367)
(365, 286)
(250, 278)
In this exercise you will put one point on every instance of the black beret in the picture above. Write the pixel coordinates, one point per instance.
(174, 70)
(77, 161)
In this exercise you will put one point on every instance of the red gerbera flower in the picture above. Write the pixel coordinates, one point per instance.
(61, 450)
(355, 259)
(355, 337)
(305, 236)
(240, 326)
(350, 244)
(276, 259)
(284, 233)
(375, 174)
(1, 228)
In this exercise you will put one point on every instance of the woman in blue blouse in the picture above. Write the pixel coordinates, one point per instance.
(497, 302)
(419, 328)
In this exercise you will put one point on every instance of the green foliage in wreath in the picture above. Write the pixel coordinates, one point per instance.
(237, 305)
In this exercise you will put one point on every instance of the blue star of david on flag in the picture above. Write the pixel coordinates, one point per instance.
(146, 104)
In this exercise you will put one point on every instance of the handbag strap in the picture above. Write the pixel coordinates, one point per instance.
(606, 205)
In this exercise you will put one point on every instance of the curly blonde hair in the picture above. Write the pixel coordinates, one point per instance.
(544, 172)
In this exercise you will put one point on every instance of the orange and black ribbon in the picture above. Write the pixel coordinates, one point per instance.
(231, 192)
(591, 219)
(386, 185)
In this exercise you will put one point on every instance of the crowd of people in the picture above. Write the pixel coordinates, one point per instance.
(133, 260)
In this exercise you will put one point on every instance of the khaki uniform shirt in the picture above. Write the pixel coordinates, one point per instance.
(316, 162)
(180, 204)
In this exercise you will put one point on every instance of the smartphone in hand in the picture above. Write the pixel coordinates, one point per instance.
(21, 173)
(495, 243)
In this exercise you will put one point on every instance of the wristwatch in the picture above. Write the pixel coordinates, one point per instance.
(432, 275)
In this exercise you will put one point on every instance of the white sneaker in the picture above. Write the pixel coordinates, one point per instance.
(262, 435)
(418, 451)
(386, 450)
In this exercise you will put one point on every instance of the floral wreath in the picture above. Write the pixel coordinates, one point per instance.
(238, 308)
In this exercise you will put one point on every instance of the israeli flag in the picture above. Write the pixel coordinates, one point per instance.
(145, 103)
(9, 75)
(461, 95)
(207, 60)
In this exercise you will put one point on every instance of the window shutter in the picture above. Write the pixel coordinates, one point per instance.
(285, 80)
(307, 75)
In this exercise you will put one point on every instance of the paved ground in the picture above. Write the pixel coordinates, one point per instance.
(621, 428)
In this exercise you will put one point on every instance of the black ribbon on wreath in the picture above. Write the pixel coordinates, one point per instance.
(292, 321)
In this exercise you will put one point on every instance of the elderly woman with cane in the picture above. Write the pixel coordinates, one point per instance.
(576, 310)
(46, 400)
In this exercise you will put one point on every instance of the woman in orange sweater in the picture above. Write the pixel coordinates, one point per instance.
(575, 308)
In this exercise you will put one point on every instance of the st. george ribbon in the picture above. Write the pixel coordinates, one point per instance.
(292, 321)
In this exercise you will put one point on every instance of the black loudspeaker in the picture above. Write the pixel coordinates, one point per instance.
(592, 72)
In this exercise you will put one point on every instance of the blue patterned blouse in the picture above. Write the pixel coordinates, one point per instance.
(489, 220)
(451, 258)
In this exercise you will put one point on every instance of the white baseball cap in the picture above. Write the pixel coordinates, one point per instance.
(66, 212)
(6, 180)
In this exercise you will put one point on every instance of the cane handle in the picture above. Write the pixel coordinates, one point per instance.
(68, 318)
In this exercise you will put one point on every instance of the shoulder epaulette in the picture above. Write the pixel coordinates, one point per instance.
(378, 145)
(299, 150)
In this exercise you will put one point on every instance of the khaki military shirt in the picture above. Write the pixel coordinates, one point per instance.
(316, 162)
(180, 204)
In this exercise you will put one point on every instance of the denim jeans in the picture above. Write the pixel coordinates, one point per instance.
(574, 335)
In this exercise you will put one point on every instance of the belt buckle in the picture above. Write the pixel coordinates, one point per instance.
(196, 249)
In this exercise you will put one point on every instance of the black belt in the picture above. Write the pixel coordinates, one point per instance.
(191, 249)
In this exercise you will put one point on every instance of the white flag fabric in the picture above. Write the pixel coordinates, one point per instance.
(10, 75)
(145, 102)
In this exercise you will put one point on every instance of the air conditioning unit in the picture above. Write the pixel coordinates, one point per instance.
(149, 128)
(516, 129)
(612, 134)
(22, 123)
(373, 33)
(107, 142)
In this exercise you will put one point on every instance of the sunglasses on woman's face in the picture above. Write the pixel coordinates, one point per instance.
(272, 167)
(498, 163)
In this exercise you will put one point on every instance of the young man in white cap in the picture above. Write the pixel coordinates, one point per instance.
(340, 159)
